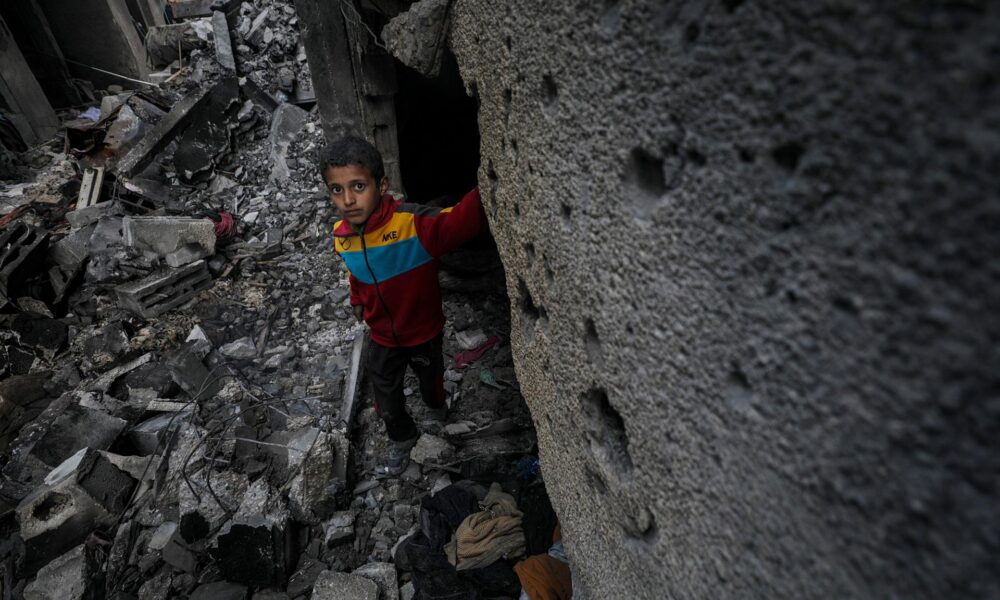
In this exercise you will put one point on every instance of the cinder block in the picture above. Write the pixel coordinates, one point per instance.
(82, 494)
(178, 240)
(164, 290)
(21, 250)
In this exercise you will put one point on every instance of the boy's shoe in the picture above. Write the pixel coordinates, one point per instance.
(399, 458)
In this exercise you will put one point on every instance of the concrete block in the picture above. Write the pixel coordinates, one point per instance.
(75, 428)
(83, 493)
(331, 585)
(178, 240)
(431, 450)
(22, 249)
(340, 527)
(164, 290)
(223, 43)
(75, 575)
(384, 575)
(256, 546)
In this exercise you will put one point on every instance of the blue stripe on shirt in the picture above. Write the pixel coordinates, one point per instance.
(387, 261)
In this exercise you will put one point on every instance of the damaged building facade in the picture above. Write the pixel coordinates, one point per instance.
(734, 326)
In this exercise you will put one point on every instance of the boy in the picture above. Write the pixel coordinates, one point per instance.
(391, 250)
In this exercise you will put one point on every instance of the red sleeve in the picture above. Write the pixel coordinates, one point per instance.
(453, 226)
(355, 296)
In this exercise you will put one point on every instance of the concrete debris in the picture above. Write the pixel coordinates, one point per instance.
(180, 366)
(164, 289)
(431, 450)
(178, 240)
(384, 575)
(255, 546)
(76, 575)
(418, 36)
(84, 492)
(331, 585)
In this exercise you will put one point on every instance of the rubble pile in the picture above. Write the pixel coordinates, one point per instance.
(181, 372)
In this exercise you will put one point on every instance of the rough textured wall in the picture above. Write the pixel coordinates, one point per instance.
(752, 253)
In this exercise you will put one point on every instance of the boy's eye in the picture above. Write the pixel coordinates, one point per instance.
(359, 186)
(335, 189)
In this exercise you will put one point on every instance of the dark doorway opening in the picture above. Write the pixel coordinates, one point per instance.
(438, 133)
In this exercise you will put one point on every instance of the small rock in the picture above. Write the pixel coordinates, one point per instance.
(241, 349)
(431, 449)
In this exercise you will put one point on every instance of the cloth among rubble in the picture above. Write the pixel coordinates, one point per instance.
(546, 576)
(467, 357)
(434, 577)
(489, 535)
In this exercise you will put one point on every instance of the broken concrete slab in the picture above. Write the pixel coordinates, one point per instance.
(83, 493)
(331, 585)
(417, 37)
(206, 139)
(75, 428)
(286, 124)
(159, 137)
(384, 575)
(104, 382)
(256, 547)
(82, 217)
(223, 43)
(189, 372)
(340, 527)
(200, 512)
(75, 575)
(178, 240)
(164, 289)
(313, 454)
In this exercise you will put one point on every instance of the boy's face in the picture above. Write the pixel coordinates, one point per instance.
(354, 191)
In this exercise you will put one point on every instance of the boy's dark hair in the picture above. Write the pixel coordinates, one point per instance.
(352, 150)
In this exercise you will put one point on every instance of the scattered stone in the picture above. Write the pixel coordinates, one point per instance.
(340, 527)
(415, 36)
(431, 450)
(407, 592)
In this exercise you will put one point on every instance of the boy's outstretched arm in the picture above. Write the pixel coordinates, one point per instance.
(443, 230)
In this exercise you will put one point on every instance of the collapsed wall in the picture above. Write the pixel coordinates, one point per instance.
(750, 249)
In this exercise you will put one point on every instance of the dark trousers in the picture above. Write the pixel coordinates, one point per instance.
(386, 368)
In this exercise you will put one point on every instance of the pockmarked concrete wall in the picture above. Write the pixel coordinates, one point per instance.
(752, 252)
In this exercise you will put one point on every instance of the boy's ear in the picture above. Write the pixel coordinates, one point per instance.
(383, 186)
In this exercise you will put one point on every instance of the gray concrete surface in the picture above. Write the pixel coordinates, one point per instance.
(751, 252)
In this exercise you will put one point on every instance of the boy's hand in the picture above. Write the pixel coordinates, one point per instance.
(359, 311)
